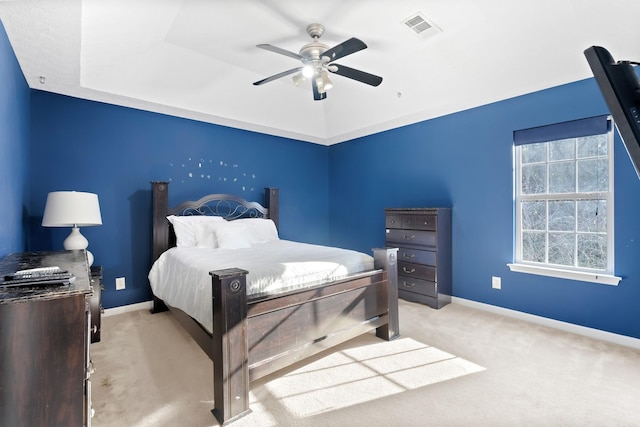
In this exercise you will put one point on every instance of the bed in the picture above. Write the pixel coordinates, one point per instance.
(248, 329)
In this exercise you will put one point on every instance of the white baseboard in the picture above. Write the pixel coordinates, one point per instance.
(147, 305)
(556, 324)
(551, 323)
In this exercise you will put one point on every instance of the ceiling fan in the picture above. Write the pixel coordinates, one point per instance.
(317, 62)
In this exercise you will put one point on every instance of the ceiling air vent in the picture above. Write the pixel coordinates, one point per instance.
(421, 26)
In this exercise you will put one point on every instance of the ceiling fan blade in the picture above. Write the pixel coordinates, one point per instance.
(345, 48)
(281, 51)
(358, 75)
(277, 76)
(317, 96)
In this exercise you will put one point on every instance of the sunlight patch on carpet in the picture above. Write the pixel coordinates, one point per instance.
(359, 374)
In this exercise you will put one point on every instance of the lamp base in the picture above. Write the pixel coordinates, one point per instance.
(89, 259)
(76, 241)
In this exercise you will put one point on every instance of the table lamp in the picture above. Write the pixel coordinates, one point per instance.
(72, 209)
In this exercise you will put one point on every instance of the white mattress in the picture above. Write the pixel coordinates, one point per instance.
(180, 276)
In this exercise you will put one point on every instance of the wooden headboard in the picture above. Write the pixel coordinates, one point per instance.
(225, 205)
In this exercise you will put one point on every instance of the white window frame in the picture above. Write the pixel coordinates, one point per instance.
(605, 276)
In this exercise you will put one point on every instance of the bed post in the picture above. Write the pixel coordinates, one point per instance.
(230, 345)
(386, 258)
(160, 198)
(160, 202)
(272, 201)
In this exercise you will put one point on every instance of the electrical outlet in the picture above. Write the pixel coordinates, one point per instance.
(496, 282)
(120, 283)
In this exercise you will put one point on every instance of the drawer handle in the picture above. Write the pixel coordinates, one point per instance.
(409, 237)
(410, 285)
(409, 256)
(413, 270)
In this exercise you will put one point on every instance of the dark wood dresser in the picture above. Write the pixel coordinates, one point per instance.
(423, 239)
(44, 344)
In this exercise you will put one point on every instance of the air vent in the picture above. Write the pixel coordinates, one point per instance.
(418, 24)
(421, 26)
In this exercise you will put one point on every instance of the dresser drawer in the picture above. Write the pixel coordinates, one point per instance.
(411, 237)
(418, 271)
(419, 222)
(419, 286)
(393, 221)
(411, 222)
(416, 256)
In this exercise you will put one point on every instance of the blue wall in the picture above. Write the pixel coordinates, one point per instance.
(115, 152)
(329, 195)
(465, 161)
(14, 145)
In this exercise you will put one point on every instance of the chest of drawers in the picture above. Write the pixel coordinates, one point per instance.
(423, 239)
(44, 344)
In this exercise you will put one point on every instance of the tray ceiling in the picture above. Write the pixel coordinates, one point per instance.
(198, 58)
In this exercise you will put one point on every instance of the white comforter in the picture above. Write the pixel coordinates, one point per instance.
(180, 276)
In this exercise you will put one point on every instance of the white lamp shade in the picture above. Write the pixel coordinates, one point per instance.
(71, 208)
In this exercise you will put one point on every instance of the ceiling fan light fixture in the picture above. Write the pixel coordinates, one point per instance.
(320, 85)
(326, 81)
(323, 82)
(298, 78)
(307, 71)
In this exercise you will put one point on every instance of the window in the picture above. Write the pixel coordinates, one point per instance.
(564, 200)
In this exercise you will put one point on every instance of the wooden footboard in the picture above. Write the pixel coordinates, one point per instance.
(252, 339)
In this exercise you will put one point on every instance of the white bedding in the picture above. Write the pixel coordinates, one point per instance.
(180, 276)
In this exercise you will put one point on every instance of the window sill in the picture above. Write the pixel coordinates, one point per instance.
(603, 279)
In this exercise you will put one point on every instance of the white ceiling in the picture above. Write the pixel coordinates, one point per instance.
(198, 58)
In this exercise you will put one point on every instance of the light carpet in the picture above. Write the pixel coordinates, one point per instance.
(456, 366)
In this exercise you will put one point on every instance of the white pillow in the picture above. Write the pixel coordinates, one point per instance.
(259, 230)
(205, 234)
(195, 230)
(232, 235)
